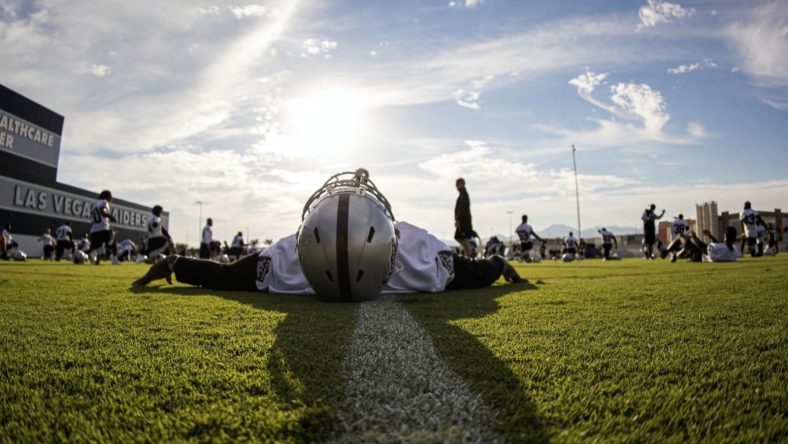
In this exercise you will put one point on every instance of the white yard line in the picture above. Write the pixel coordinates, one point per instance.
(398, 389)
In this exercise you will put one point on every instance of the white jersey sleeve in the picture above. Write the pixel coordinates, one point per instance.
(423, 263)
(279, 269)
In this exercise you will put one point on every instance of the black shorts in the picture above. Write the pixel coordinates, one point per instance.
(526, 246)
(157, 245)
(99, 238)
(462, 234)
(470, 273)
(205, 252)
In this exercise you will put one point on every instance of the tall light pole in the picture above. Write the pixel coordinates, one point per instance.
(199, 222)
(577, 194)
(510, 225)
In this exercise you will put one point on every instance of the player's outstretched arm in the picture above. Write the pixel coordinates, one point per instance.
(159, 270)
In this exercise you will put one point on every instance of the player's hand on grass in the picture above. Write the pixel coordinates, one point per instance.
(510, 274)
(159, 270)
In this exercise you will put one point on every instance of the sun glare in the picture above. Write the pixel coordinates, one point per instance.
(328, 121)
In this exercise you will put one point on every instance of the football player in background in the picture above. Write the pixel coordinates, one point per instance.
(7, 242)
(749, 222)
(237, 246)
(207, 239)
(126, 249)
(65, 240)
(100, 234)
(608, 239)
(159, 240)
(525, 232)
(649, 219)
(569, 249)
(678, 229)
(49, 244)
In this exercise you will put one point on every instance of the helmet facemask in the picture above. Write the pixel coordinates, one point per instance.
(346, 242)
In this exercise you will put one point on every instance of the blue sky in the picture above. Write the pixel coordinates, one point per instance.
(250, 106)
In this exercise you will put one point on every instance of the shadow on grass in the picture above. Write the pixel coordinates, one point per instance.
(310, 343)
(486, 373)
(312, 340)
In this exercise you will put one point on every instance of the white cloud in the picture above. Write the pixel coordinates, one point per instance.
(629, 100)
(681, 69)
(657, 12)
(313, 47)
(695, 129)
(760, 38)
(465, 3)
(252, 10)
(99, 70)
(210, 10)
(641, 102)
(689, 67)
(470, 98)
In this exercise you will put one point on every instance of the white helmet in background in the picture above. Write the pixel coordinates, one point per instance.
(19, 255)
(346, 241)
(80, 257)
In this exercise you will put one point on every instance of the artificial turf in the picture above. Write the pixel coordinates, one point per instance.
(601, 351)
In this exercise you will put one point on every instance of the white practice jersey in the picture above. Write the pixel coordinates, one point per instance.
(207, 234)
(238, 241)
(748, 218)
(84, 244)
(679, 227)
(63, 233)
(47, 239)
(126, 245)
(153, 224)
(524, 232)
(7, 236)
(423, 264)
(607, 237)
(760, 230)
(100, 222)
(719, 252)
(570, 241)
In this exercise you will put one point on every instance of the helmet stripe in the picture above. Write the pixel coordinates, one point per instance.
(343, 266)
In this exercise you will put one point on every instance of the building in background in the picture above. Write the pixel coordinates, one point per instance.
(31, 198)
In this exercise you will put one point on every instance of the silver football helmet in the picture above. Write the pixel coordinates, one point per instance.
(346, 241)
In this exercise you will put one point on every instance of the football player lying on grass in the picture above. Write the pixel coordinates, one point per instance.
(695, 250)
(348, 248)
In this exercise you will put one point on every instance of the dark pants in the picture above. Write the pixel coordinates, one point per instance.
(205, 251)
(159, 245)
(606, 250)
(241, 275)
(99, 239)
(48, 249)
(469, 273)
(63, 245)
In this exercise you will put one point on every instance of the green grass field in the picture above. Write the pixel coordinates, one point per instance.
(592, 351)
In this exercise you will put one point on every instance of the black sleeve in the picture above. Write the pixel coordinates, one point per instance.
(470, 273)
(239, 275)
